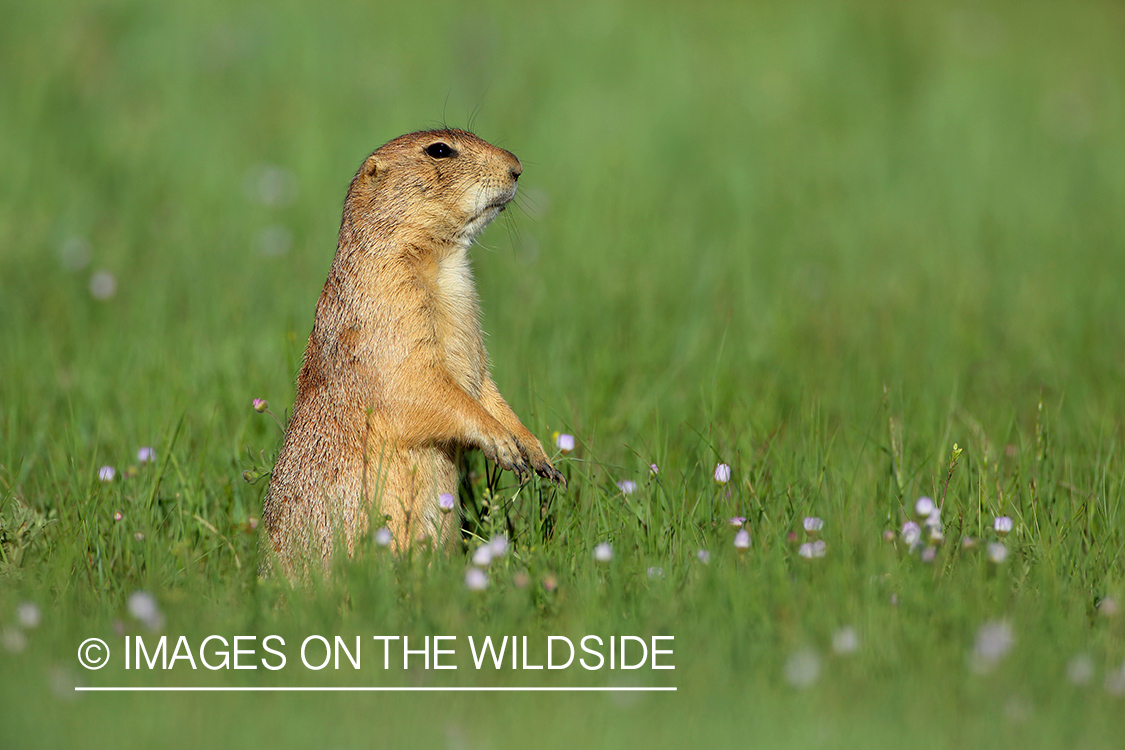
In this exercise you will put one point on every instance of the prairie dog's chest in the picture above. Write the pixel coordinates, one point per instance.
(457, 321)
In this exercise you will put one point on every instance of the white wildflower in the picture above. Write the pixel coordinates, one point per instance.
(28, 615)
(103, 285)
(845, 640)
(802, 668)
(482, 557)
(911, 534)
(924, 507)
(811, 550)
(994, 640)
(1115, 681)
(997, 552)
(498, 545)
(142, 606)
(1080, 670)
(476, 579)
(13, 640)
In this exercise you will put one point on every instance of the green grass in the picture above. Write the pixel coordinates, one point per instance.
(821, 243)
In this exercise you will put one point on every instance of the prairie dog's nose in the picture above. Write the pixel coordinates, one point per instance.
(517, 169)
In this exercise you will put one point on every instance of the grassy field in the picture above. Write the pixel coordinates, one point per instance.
(860, 253)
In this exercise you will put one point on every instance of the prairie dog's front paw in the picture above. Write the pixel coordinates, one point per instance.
(548, 471)
(505, 452)
(542, 465)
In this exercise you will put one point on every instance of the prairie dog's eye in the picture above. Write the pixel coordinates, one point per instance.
(440, 150)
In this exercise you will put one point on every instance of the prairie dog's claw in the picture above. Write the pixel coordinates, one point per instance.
(545, 469)
(506, 454)
(549, 472)
(523, 458)
(537, 457)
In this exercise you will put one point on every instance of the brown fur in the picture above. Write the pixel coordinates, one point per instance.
(395, 378)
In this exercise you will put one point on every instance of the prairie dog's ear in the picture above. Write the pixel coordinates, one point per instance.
(371, 166)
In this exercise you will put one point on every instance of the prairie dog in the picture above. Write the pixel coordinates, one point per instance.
(395, 378)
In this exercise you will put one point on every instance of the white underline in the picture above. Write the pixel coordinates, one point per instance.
(372, 689)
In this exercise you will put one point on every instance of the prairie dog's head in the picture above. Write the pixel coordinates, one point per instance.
(447, 183)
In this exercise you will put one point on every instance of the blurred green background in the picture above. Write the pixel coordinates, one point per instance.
(820, 242)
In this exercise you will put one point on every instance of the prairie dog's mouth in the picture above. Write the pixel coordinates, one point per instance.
(488, 213)
(494, 202)
(500, 202)
(484, 217)
(504, 198)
